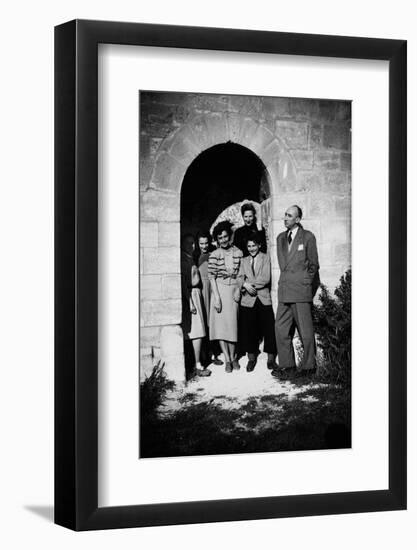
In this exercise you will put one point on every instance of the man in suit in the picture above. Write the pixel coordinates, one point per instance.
(298, 283)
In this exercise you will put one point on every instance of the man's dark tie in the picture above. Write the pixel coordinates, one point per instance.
(253, 265)
(290, 237)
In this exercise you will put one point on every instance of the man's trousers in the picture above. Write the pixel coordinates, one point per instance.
(256, 323)
(289, 316)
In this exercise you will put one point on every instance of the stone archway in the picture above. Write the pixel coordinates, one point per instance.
(182, 146)
(160, 277)
(214, 186)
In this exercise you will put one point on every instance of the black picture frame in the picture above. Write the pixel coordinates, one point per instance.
(76, 272)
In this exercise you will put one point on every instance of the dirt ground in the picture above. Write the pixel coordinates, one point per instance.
(234, 390)
(243, 412)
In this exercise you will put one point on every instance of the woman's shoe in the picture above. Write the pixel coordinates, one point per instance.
(203, 372)
(235, 364)
(229, 367)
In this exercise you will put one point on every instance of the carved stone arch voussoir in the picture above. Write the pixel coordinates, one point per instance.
(180, 148)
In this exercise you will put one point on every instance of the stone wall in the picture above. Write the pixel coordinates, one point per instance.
(305, 146)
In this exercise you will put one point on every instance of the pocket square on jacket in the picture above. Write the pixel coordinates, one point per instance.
(300, 247)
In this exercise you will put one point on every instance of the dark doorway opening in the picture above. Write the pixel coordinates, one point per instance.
(214, 186)
(218, 178)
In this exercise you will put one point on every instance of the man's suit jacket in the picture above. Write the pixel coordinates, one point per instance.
(261, 280)
(299, 267)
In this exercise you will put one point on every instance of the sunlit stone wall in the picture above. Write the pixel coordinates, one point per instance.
(305, 146)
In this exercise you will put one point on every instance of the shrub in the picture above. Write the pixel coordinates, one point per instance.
(153, 390)
(332, 321)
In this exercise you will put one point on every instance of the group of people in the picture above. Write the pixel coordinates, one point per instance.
(226, 292)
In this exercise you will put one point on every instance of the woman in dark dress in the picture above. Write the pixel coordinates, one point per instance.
(249, 229)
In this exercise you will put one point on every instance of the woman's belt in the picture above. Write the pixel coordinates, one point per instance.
(226, 280)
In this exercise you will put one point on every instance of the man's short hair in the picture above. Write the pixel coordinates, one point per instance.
(300, 212)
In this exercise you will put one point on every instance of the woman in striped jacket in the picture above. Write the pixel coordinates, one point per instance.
(225, 280)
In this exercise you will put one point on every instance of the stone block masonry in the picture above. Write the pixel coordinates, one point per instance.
(159, 206)
(305, 146)
(168, 234)
(148, 234)
(161, 260)
(160, 312)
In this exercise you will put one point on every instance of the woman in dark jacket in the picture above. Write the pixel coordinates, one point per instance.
(249, 229)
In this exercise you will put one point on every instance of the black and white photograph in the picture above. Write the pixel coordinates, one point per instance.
(208, 281)
(245, 274)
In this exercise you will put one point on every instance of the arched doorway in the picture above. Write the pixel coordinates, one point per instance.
(214, 186)
(220, 177)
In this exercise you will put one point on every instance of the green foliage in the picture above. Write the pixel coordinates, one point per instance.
(332, 322)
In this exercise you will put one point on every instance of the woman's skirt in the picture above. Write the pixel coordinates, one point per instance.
(206, 295)
(223, 325)
(193, 323)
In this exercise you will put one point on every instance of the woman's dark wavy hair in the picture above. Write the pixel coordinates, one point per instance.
(249, 206)
(222, 226)
(206, 235)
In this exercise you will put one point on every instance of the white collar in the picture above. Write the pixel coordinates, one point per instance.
(293, 234)
(293, 231)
